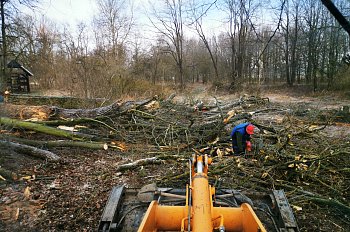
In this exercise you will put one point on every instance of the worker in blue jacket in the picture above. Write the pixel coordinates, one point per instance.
(241, 138)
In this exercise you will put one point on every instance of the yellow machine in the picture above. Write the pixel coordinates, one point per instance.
(199, 214)
(199, 208)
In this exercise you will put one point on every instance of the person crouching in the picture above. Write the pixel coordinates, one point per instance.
(241, 135)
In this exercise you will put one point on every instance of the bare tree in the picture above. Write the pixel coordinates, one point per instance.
(44, 63)
(232, 33)
(294, 41)
(313, 13)
(4, 46)
(286, 28)
(169, 22)
(308, 48)
(198, 11)
(336, 13)
(290, 34)
(113, 24)
(239, 18)
(82, 59)
(7, 8)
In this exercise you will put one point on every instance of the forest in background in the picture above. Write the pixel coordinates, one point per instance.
(59, 160)
(108, 58)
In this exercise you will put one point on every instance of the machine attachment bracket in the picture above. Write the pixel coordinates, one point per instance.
(110, 213)
(285, 217)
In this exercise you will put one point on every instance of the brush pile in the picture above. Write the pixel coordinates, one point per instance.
(57, 165)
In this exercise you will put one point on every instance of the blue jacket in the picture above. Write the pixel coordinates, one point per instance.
(240, 128)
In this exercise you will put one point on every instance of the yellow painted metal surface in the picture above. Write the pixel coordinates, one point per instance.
(204, 216)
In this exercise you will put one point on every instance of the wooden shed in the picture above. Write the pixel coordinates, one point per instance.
(18, 81)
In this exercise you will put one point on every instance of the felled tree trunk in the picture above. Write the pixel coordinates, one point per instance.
(137, 163)
(58, 143)
(113, 109)
(84, 113)
(29, 150)
(44, 113)
(43, 129)
(331, 202)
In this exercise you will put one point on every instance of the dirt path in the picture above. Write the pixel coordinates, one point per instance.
(317, 103)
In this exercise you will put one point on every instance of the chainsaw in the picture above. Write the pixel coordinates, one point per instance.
(199, 207)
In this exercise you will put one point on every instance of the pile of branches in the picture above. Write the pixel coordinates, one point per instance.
(291, 151)
(162, 124)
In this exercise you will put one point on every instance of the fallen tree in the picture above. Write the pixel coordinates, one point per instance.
(58, 143)
(137, 163)
(291, 152)
(43, 129)
(45, 113)
(29, 150)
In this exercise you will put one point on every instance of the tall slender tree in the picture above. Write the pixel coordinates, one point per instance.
(8, 8)
(113, 24)
(198, 11)
(4, 47)
(169, 22)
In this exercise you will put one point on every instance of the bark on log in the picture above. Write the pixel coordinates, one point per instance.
(84, 113)
(171, 97)
(58, 143)
(110, 110)
(152, 160)
(29, 150)
(44, 113)
(332, 203)
(43, 129)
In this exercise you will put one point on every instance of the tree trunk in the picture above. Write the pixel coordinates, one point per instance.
(3, 79)
(29, 150)
(44, 113)
(140, 162)
(286, 54)
(58, 143)
(294, 60)
(43, 129)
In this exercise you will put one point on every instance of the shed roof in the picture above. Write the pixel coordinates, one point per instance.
(15, 64)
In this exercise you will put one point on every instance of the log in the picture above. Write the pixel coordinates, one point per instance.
(171, 97)
(43, 129)
(152, 160)
(45, 113)
(29, 150)
(331, 202)
(110, 110)
(344, 170)
(270, 110)
(84, 113)
(263, 127)
(58, 143)
(71, 122)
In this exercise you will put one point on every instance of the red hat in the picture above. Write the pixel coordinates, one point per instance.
(250, 129)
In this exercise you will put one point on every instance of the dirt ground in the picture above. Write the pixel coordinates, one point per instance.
(70, 195)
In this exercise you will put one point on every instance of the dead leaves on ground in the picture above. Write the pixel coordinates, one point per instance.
(16, 203)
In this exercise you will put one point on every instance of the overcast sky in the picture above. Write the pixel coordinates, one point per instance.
(72, 12)
(69, 11)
